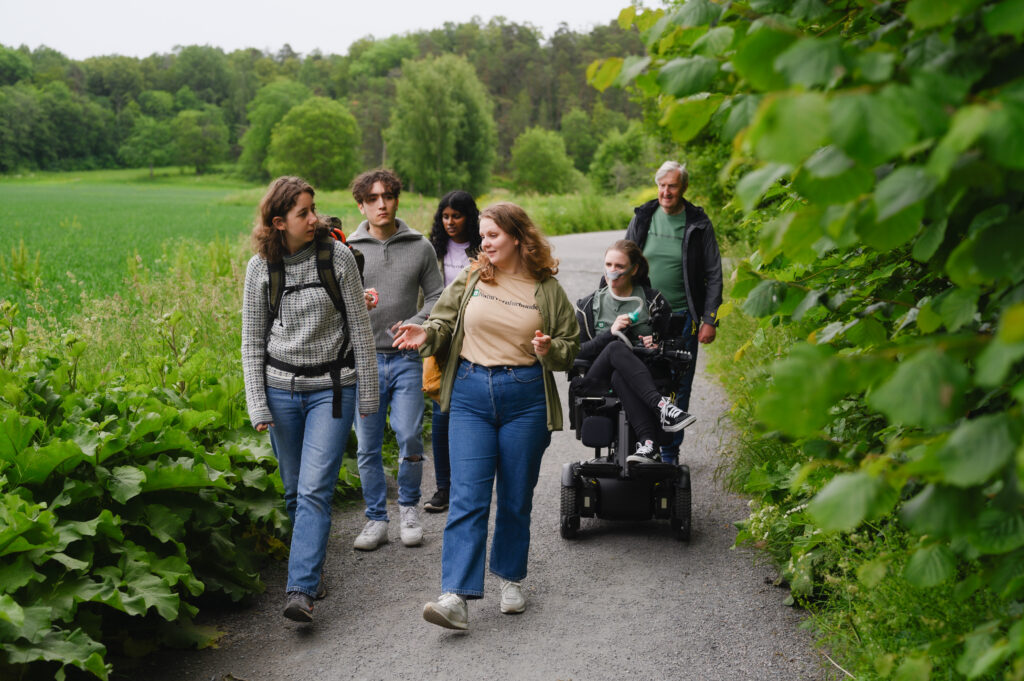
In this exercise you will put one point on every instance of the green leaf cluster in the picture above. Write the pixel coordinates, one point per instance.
(879, 146)
(120, 507)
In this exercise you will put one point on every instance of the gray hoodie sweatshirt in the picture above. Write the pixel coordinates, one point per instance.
(398, 268)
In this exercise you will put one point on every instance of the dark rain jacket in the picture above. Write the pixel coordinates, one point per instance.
(702, 263)
(592, 342)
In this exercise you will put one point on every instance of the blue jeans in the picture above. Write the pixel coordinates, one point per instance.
(670, 453)
(439, 444)
(400, 375)
(309, 443)
(500, 417)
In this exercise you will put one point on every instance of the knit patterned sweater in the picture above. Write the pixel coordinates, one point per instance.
(307, 331)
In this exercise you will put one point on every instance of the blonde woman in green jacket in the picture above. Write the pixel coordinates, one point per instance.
(503, 326)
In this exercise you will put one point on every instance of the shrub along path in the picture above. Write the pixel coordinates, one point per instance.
(621, 601)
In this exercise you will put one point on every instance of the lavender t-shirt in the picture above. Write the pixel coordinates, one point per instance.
(455, 260)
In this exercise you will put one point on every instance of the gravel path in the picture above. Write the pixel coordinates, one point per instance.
(623, 601)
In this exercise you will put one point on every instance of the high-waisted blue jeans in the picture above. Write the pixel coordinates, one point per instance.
(498, 427)
(309, 444)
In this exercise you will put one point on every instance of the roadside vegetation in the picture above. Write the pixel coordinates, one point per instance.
(873, 338)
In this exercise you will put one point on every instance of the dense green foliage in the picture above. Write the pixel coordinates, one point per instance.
(880, 152)
(265, 111)
(317, 139)
(200, 138)
(57, 113)
(127, 500)
(442, 132)
(540, 163)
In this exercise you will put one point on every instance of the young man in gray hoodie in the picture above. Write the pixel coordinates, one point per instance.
(400, 262)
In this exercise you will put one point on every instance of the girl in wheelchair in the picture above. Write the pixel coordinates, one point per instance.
(619, 315)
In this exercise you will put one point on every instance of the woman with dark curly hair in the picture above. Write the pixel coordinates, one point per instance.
(455, 237)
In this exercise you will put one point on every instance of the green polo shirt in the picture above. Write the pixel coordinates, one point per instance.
(664, 251)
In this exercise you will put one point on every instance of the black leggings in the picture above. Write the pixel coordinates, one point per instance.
(632, 382)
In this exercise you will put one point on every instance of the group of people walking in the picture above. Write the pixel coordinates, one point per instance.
(329, 326)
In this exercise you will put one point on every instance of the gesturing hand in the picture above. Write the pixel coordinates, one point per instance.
(409, 337)
(541, 343)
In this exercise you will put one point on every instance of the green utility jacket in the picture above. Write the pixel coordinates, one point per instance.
(558, 318)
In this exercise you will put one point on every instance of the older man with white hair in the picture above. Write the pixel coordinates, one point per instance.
(679, 243)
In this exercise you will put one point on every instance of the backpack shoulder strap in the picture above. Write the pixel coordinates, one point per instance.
(275, 290)
(325, 271)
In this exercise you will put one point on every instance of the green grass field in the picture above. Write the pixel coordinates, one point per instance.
(85, 232)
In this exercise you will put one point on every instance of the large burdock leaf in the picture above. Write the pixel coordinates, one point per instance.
(125, 482)
(930, 566)
(851, 498)
(925, 390)
(39, 463)
(976, 450)
(67, 648)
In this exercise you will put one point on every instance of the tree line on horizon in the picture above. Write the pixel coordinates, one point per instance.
(445, 106)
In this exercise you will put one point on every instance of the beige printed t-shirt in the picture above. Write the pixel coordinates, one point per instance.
(500, 320)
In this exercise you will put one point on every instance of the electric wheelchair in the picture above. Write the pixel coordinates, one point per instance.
(607, 486)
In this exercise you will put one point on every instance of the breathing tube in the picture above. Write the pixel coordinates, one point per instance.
(633, 316)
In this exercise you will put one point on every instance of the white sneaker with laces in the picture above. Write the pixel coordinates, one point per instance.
(410, 529)
(448, 611)
(373, 535)
(512, 598)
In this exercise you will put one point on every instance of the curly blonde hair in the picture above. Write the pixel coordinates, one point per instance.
(534, 249)
(282, 195)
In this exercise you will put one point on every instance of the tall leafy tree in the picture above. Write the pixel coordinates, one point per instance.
(319, 140)
(266, 110)
(200, 137)
(14, 66)
(150, 144)
(442, 131)
(540, 164)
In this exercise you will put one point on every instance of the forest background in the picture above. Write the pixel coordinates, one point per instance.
(862, 163)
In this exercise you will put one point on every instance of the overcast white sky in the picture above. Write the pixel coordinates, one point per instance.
(88, 28)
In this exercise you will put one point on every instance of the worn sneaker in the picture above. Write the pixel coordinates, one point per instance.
(298, 607)
(410, 529)
(644, 453)
(672, 417)
(438, 502)
(373, 535)
(448, 611)
(512, 599)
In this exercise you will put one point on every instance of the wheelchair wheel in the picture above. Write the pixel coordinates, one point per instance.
(569, 518)
(681, 520)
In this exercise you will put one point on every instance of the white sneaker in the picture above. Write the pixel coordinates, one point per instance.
(410, 529)
(512, 598)
(373, 535)
(448, 611)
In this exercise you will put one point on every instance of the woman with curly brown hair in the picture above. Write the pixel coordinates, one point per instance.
(504, 325)
(303, 349)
